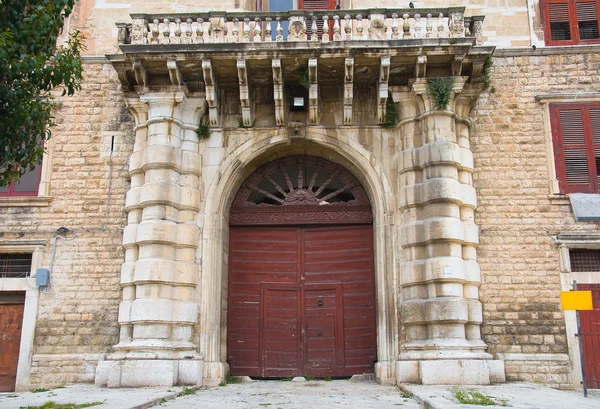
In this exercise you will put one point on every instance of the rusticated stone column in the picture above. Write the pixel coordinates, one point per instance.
(159, 275)
(439, 274)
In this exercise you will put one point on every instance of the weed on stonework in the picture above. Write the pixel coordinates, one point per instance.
(187, 391)
(406, 395)
(473, 397)
(52, 405)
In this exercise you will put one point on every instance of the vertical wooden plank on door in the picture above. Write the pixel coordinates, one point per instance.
(11, 322)
(280, 335)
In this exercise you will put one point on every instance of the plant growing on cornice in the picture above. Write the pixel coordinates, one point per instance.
(304, 78)
(440, 90)
(203, 130)
(486, 77)
(391, 118)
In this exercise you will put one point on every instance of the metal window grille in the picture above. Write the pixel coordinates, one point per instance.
(15, 265)
(584, 260)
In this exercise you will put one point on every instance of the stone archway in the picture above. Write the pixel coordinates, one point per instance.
(228, 178)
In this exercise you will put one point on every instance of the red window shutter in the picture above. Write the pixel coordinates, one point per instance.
(558, 20)
(575, 127)
(587, 20)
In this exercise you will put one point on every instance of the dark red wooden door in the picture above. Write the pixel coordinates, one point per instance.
(11, 321)
(301, 301)
(590, 336)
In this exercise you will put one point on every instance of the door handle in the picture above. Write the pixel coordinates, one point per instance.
(320, 301)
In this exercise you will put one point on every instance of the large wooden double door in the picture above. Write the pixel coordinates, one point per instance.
(301, 301)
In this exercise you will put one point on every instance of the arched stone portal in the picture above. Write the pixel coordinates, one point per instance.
(301, 285)
(221, 191)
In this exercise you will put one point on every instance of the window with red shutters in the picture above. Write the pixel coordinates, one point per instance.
(570, 22)
(28, 185)
(576, 138)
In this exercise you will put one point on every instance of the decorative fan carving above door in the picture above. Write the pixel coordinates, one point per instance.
(301, 190)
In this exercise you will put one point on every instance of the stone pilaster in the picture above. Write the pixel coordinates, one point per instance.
(439, 273)
(159, 275)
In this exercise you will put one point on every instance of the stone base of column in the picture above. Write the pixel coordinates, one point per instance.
(214, 372)
(450, 372)
(385, 372)
(130, 373)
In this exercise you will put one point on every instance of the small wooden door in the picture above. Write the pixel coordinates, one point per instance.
(11, 322)
(590, 336)
(301, 301)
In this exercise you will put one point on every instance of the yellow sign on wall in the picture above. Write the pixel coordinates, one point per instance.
(576, 300)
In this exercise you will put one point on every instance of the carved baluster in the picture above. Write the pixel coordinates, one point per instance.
(304, 28)
(257, 30)
(177, 38)
(154, 32)
(279, 30)
(337, 36)
(395, 30)
(289, 28)
(428, 27)
(246, 30)
(406, 26)
(188, 31)
(268, 30)
(325, 37)
(235, 30)
(166, 31)
(417, 25)
(200, 30)
(441, 25)
(359, 27)
(467, 23)
(314, 35)
(348, 28)
(370, 29)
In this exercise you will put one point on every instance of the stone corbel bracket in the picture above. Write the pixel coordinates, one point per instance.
(245, 102)
(313, 92)
(211, 92)
(421, 66)
(457, 64)
(141, 77)
(174, 73)
(348, 89)
(382, 94)
(278, 91)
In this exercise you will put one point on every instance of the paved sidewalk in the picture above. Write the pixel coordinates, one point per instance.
(139, 398)
(305, 395)
(296, 395)
(511, 395)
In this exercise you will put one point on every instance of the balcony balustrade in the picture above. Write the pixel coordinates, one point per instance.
(312, 26)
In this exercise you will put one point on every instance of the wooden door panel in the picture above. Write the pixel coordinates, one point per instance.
(280, 341)
(301, 301)
(590, 336)
(11, 322)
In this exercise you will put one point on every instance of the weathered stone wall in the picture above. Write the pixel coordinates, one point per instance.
(517, 216)
(78, 320)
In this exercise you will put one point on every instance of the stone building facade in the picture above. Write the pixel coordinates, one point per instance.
(473, 235)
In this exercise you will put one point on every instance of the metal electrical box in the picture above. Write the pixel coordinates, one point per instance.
(42, 277)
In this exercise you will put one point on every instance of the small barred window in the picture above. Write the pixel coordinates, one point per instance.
(15, 265)
(584, 260)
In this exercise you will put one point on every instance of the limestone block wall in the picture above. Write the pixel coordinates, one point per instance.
(517, 215)
(78, 320)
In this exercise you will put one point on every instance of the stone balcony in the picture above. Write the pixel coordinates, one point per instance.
(248, 54)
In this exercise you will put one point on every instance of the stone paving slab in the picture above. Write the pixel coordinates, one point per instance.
(509, 395)
(138, 398)
(296, 395)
